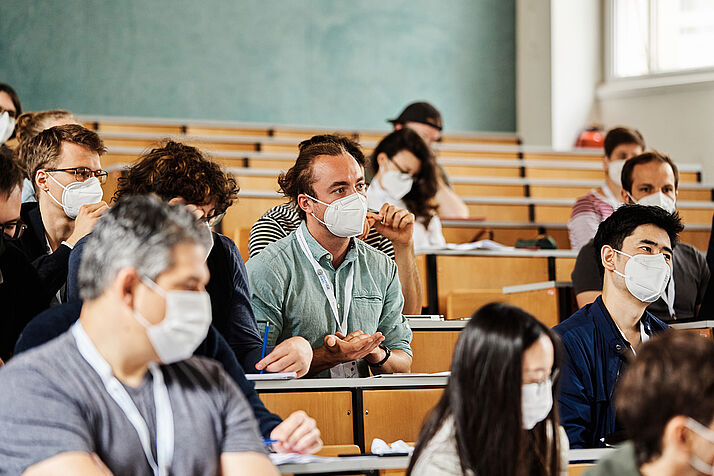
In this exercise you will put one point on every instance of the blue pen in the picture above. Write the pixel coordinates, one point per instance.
(265, 343)
(269, 442)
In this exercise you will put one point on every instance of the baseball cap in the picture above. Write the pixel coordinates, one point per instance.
(422, 112)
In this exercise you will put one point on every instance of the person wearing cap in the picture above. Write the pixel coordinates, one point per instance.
(425, 119)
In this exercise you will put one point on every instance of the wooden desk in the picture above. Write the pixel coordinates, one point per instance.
(390, 408)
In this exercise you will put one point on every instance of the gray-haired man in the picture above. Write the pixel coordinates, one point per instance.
(119, 391)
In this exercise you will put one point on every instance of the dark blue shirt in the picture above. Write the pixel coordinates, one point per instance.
(595, 356)
(230, 299)
(58, 319)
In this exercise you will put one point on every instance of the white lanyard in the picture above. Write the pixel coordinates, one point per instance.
(327, 287)
(669, 294)
(164, 414)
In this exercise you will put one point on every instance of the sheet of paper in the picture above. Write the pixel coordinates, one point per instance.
(477, 245)
(272, 376)
(295, 458)
(436, 374)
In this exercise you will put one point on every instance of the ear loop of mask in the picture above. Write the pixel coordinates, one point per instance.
(624, 254)
(50, 193)
(313, 215)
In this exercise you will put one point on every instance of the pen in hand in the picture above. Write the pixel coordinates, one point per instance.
(265, 343)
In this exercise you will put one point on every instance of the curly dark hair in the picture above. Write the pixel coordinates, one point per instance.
(420, 199)
(179, 170)
(298, 179)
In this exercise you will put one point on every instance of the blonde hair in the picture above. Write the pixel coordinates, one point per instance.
(29, 124)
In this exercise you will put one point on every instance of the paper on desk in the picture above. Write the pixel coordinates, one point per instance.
(477, 245)
(296, 458)
(436, 374)
(272, 376)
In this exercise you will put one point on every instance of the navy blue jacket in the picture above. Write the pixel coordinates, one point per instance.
(230, 299)
(596, 354)
(58, 319)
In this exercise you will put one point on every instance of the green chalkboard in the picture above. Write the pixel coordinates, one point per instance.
(321, 62)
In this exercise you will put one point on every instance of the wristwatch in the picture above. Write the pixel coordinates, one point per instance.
(386, 357)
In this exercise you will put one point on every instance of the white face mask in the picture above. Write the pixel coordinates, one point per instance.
(536, 402)
(614, 171)
(658, 199)
(396, 183)
(77, 194)
(185, 325)
(7, 125)
(345, 217)
(646, 276)
(708, 435)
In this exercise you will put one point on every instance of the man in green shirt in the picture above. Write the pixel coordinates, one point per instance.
(321, 283)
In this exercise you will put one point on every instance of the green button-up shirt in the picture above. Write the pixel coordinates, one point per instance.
(286, 292)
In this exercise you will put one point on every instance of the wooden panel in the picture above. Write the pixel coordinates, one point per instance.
(252, 182)
(507, 236)
(697, 238)
(151, 128)
(392, 472)
(498, 212)
(564, 268)
(689, 177)
(561, 156)
(578, 468)
(542, 303)
(481, 190)
(114, 158)
(421, 267)
(477, 154)
(331, 410)
(336, 450)
(110, 186)
(226, 131)
(563, 173)
(704, 195)
(433, 350)
(552, 213)
(282, 164)
(485, 272)
(482, 171)
(477, 140)
(397, 414)
(227, 146)
(696, 215)
(698, 332)
(269, 147)
(246, 211)
(131, 142)
(552, 191)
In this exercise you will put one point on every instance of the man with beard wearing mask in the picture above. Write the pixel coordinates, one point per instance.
(119, 392)
(64, 166)
(651, 179)
(21, 292)
(635, 245)
(321, 283)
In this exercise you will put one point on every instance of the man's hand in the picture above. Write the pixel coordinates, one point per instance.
(298, 433)
(291, 355)
(85, 221)
(395, 224)
(356, 345)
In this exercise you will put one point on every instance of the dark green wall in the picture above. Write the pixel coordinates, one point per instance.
(321, 62)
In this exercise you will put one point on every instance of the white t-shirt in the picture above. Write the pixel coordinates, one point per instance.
(424, 237)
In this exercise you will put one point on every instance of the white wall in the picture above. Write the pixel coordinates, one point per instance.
(676, 120)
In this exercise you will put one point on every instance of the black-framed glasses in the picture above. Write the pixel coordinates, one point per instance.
(391, 159)
(13, 229)
(83, 173)
(10, 112)
(213, 220)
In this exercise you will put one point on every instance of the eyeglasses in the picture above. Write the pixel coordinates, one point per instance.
(543, 380)
(13, 230)
(83, 173)
(10, 112)
(401, 169)
(213, 220)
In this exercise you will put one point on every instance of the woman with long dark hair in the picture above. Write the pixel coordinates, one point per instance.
(405, 171)
(496, 416)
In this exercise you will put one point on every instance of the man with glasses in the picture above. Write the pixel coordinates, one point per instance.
(21, 294)
(63, 163)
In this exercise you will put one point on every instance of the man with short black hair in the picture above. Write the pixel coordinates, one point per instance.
(666, 404)
(120, 392)
(635, 244)
(651, 179)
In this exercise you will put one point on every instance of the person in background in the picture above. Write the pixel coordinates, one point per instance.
(405, 175)
(28, 125)
(425, 119)
(179, 173)
(707, 309)
(280, 221)
(651, 179)
(64, 164)
(21, 292)
(353, 317)
(122, 382)
(635, 244)
(10, 109)
(496, 415)
(621, 143)
(666, 404)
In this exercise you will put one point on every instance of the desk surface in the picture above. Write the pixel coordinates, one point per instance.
(511, 253)
(365, 463)
(350, 383)
(429, 325)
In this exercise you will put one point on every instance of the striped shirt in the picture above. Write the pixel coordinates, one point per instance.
(588, 212)
(280, 221)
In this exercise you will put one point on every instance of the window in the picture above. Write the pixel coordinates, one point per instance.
(660, 36)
